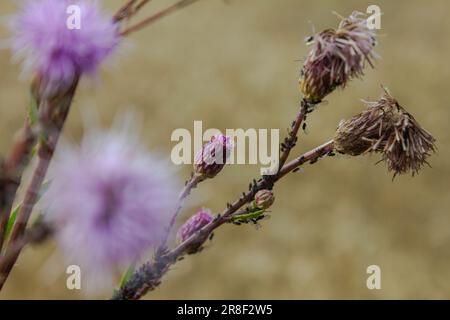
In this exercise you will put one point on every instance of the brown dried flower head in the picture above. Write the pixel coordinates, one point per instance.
(386, 128)
(336, 56)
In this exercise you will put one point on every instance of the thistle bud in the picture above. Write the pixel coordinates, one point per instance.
(264, 199)
(386, 128)
(194, 223)
(337, 56)
(211, 159)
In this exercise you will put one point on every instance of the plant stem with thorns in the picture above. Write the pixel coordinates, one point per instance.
(12, 170)
(161, 14)
(291, 140)
(190, 184)
(148, 277)
(53, 113)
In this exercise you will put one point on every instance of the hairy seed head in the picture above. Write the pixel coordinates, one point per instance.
(337, 56)
(386, 128)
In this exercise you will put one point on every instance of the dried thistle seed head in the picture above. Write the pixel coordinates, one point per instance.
(337, 56)
(387, 128)
(264, 199)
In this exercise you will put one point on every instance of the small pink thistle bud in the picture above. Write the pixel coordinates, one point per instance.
(211, 159)
(386, 128)
(264, 199)
(194, 223)
(337, 56)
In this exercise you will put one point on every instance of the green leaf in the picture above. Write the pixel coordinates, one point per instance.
(248, 216)
(13, 216)
(126, 276)
(34, 151)
(33, 111)
(9, 226)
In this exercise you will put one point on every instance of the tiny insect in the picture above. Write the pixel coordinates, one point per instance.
(309, 40)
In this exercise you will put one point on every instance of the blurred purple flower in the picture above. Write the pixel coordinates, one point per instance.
(54, 51)
(109, 201)
(194, 223)
(211, 159)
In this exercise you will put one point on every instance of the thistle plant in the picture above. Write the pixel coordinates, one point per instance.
(110, 202)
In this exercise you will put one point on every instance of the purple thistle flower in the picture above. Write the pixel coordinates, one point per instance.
(109, 202)
(211, 159)
(55, 52)
(194, 223)
(337, 56)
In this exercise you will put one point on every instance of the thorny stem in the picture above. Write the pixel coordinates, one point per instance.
(52, 116)
(171, 9)
(310, 156)
(287, 146)
(291, 140)
(125, 11)
(164, 259)
(148, 277)
(36, 234)
(11, 170)
(11, 174)
(129, 9)
(190, 184)
(141, 4)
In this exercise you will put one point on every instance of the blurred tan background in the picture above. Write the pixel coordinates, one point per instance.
(235, 64)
